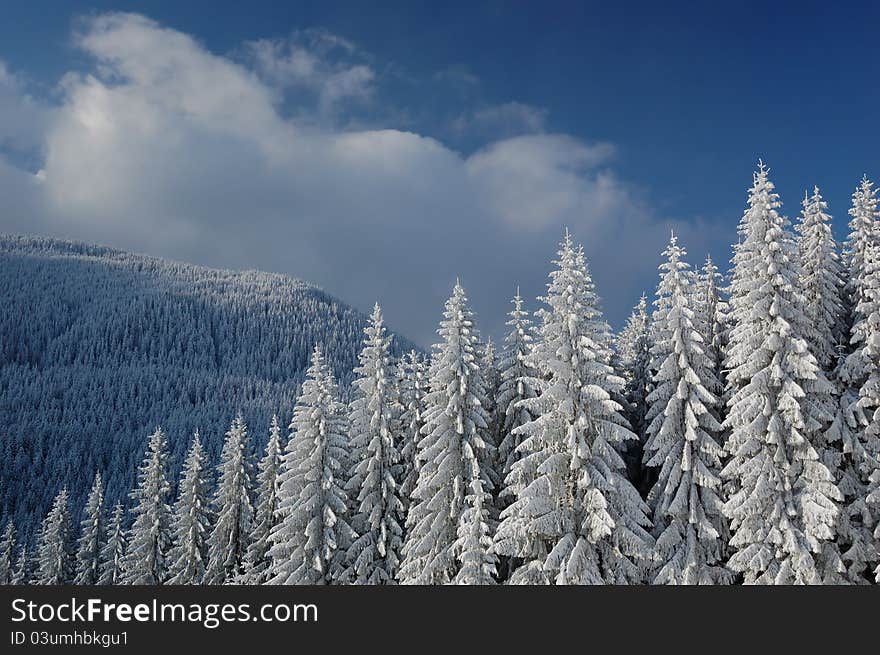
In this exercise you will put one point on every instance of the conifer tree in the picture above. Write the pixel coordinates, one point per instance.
(451, 452)
(309, 541)
(113, 553)
(782, 506)
(576, 519)
(150, 536)
(54, 547)
(23, 571)
(685, 503)
(232, 504)
(190, 520)
(517, 384)
(491, 382)
(473, 547)
(710, 314)
(266, 513)
(7, 554)
(92, 536)
(821, 281)
(863, 226)
(411, 395)
(373, 558)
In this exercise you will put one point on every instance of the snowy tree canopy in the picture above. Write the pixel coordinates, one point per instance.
(576, 519)
(266, 512)
(92, 536)
(190, 520)
(54, 548)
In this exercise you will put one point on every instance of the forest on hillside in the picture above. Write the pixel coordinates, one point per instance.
(727, 435)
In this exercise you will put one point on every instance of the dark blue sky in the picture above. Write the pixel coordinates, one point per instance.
(690, 96)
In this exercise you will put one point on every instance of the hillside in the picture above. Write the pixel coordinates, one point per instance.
(98, 346)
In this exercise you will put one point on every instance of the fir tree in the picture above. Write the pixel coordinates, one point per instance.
(864, 213)
(113, 553)
(23, 571)
(92, 536)
(266, 513)
(411, 395)
(54, 548)
(688, 521)
(190, 520)
(516, 385)
(473, 547)
(710, 317)
(7, 554)
(150, 534)
(821, 281)
(576, 519)
(309, 541)
(373, 558)
(782, 507)
(232, 504)
(451, 452)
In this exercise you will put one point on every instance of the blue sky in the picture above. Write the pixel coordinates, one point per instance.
(501, 121)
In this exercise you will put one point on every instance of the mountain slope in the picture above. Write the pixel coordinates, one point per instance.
(98, 346)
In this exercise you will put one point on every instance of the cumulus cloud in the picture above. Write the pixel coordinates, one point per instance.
(500, 121)
(167, 148)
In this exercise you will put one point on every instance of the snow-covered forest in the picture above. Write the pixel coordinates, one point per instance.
(730, 433)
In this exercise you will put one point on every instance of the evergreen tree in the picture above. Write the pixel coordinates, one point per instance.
(190, 520)
(54, 548)
(266, 513)
(92, 536)
(451, 452)
(230, 537)
(377, 511)
(782, 507)
(576, 519)
(411, 395)
(473, 547)
(864, 213)
(113, 553)
(688, 521)
(309, 541)
(7, 553)
(23, 571)
(710, 314)
(150, 535)
(821, 281)
(517, 385)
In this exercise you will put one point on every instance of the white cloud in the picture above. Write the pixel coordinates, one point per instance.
(504, 120)
(167, 148)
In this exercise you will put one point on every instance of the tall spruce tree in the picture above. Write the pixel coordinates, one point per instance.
(576, 519)
(266, 513)
(517, 385)
(113, 553)
(411, 395)
(863, 234)
(451, 452)
(710, 316)
(233, 506)
(685, 503)
(190, 520)
(782, 506)
(377, 512)
(310, 540)
(92, 536)
(150, 536)
(7, 554)
(23, 572)
(821, 281)
(55, 564)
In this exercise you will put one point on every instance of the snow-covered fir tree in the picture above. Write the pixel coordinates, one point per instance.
(782, 508)
(488, 362)
(92, 536)
(516, 385)
(310, 540)
(23, 571)
(150, 535)
(473, 547)
(411, 395)
(233, 507)
(190, 520)
(859, 426)
(7, 554)
(266, 511)
(821, 281)
(55, 564)
(633, 362)
(113, 553)
(451, 452)
(576, 519)
(863, 233)
(685, 502)
(710, 315)
(377, 512)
